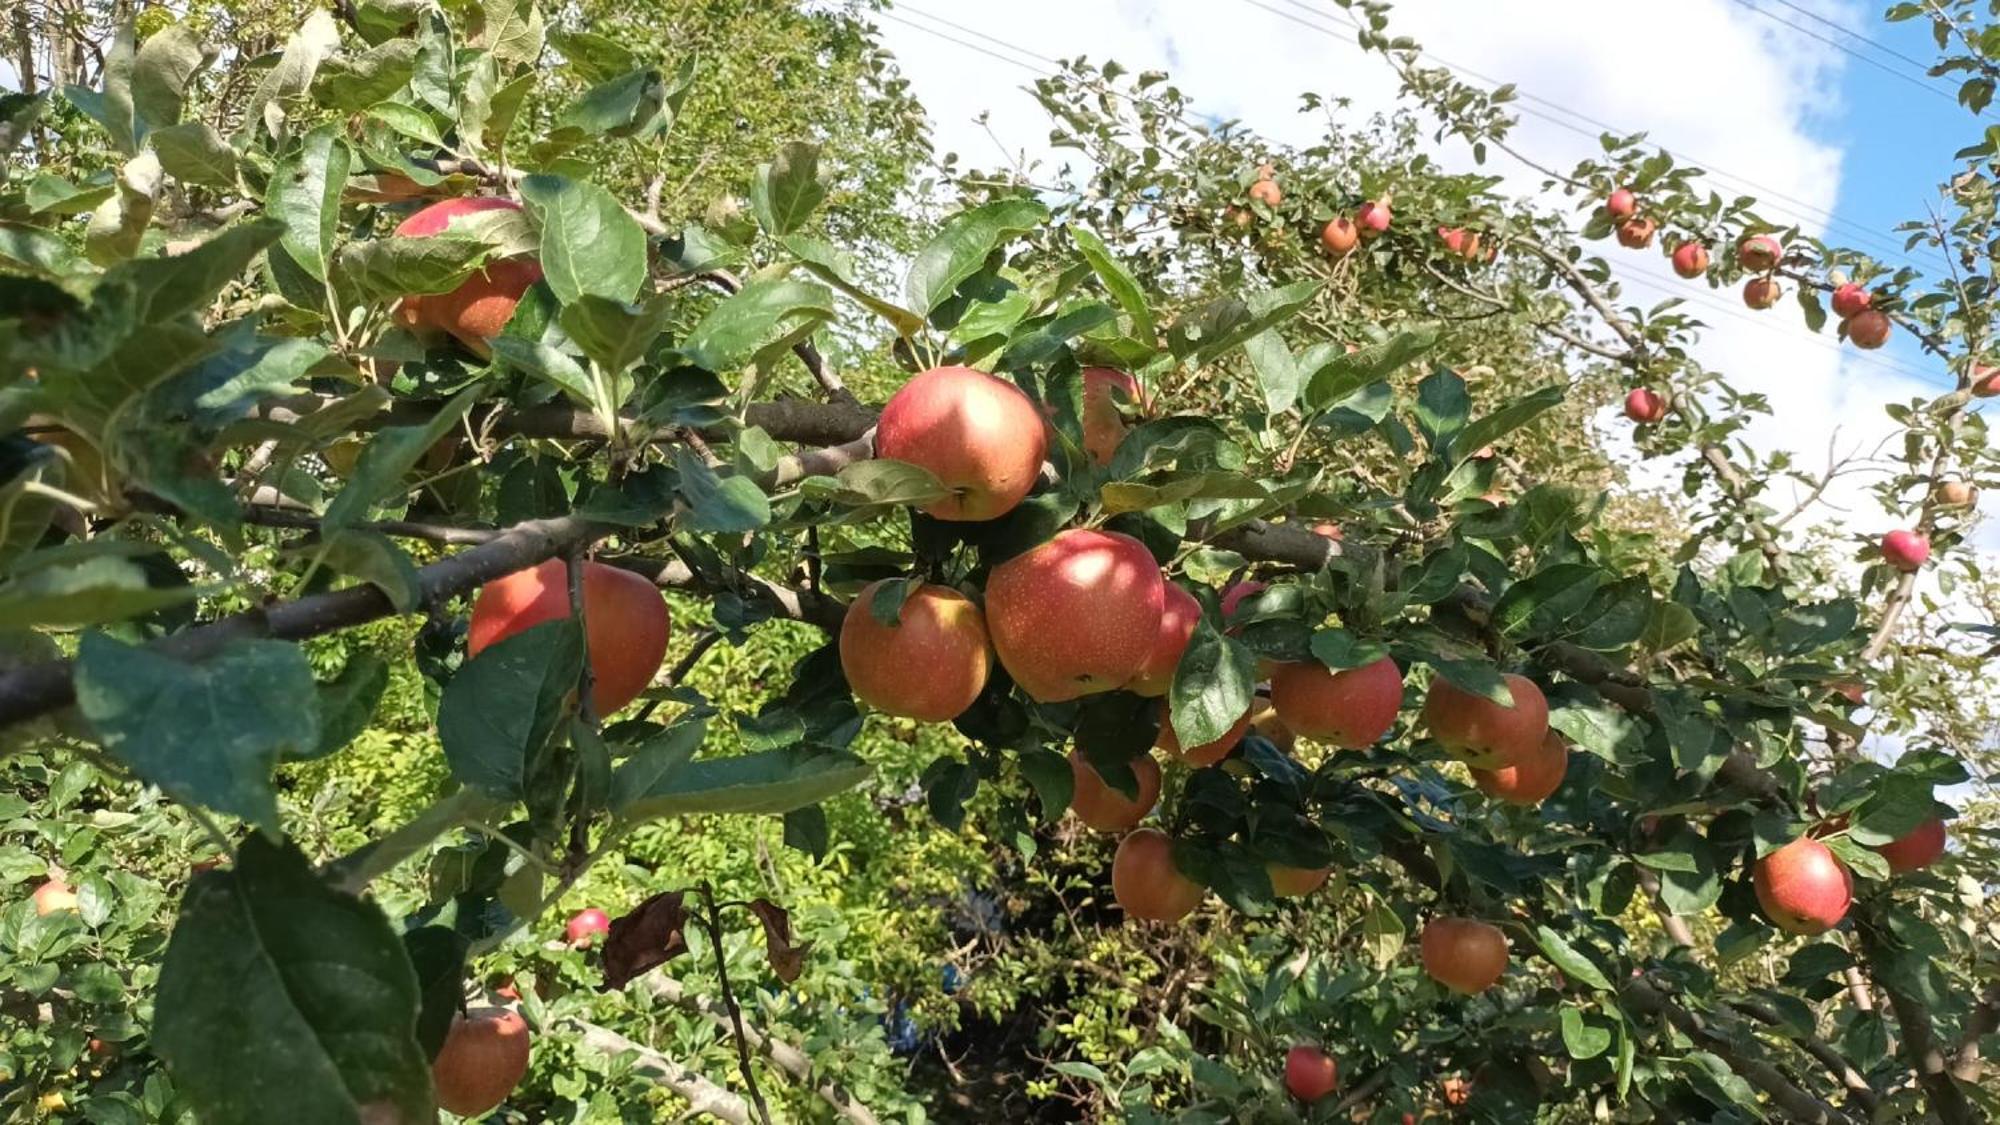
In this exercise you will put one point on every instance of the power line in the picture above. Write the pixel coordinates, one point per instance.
(1882, 47)
(1878, 244)
(1877, 64)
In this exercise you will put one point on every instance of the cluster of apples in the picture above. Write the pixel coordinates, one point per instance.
(1342, 234)
(1803, 887)
(1862, 323)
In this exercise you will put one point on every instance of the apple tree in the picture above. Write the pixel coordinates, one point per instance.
(1246, 502)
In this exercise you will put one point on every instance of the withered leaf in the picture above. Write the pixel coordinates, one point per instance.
(787, 959)
(650, 936)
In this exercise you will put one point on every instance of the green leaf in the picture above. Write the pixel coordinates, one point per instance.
(1573, 964)
(408, 121)
(651, 765)
(639, 106)
(769, 782)
(589, 243)
(1212, 329)
(1382, 933)
(1585, 1036)
(836, 267)
(785, 192)
(1340, 650)
(160, 74)
(1699, 742)
(615, 335)
(206, 733)
(499, 710)
(1119, 282)
(386, 269)
(1339, 374)
(112, 107)
(1278, 370)
(877, 481)
(305, 193)
(166, 288)
(118, 226)
(315, 40)
(437, 959)
(1670, 626)
(1050, 776)
(547, 364)
(388, 456)
(1474, 676)
(1616, 616)
(767, 315)
(1539, 606)
(272, 972)
(1688, 880)
(194, 153)
(93, 592)
(352, 84)
(1213, 685)
(346, 703)
(730, 505)
(1485, 431)
(50, 194)
(1442, 409)
(962, 245)
(376, 559)
(1803, 628)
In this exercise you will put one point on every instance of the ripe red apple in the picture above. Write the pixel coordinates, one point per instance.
(1233, 597)
(1691, 259)
(1531, 780)
(1103, 425)
(54, 897)
(1266, 191)
(1339, 236)
(1465, 244)
(1759, 253)
(979, 435)
(1985, 381)
(1868, 329)
(1905, 550)
(1208, 753)
(929, 666)
(1645, 405)
(1850, 299)
(1351, 709)
(1145, 881)
(485, 1055)
(1762, 292)
(1076, 615)
(1177, 624)
(1106, 809)
(1373, 218)
(1484, 734)
(1916, 849)
(1296, 882)
(479, 308)
(1621, 205)
(1957, 494)
(1464, 954)
(624, 616)
(585, 925)
(1802, 887)
(1636, 234)
(1852, 691)
(1310, 1073)
(1327, 531)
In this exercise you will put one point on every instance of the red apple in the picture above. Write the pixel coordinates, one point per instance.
(54, 897)
(1464, 954)
(484, 1057)
(1759, 253)
(940, 632)
(1234, 596)
(1351, 709)
(1327, 531)
(1310, 1073)
(1103, 424)
(1849, 300)
(1636, 234)
(1802, 887)
(1985, 381)
(1905, 550)
(1916, 849)
(1645, 405)
(1339, 236)
(980, 436)
(1177, 624)
(1145, 881)
(1852, 691)
(1076, 615)
(1691, 259)
(1106, 809)
(1868, 329)
(1208, 753)
(1296, 882)
(1373, 218)
(1531, 780)
(1621, 205)
(585, 925)
(1266, 191)
(624, 616)
(1762, 292)
(480, 307)
(1484, 734)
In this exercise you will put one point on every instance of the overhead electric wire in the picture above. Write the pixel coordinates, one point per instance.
(1876, 63)
(1882, 47)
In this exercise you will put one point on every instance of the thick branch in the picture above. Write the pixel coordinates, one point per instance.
(1641, 997)
(1984, 1021)
(787, 1058)
(1859, 1093)
(1921, 1047)
(702, 1095)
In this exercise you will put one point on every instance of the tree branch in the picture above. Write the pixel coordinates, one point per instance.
(1921, 1047)
(702, 1095)
(1640, 996)
(795, 1063)
(1859, 1092)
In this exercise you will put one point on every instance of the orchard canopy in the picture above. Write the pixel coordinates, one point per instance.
(562, 564)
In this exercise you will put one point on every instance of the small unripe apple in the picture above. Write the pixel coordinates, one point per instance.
(1373, 217)
(1905, 550)
(1106, 809)
(1482, 733)
(1621, 205)
(1645, 405)
(1762, 292)
(1266, 192)
(1177, 624)
(624, 614)
(1869, 329)
(1310, 1073)
(1636, 234)
(1956, 494)
(585, 925)
(1351, 709)
(1464, 954)
(1916, 849)
(1531, 780)
(1242, 218)
(1802, 887)
(54, 897)
(978, 434)
(484, 1057)
(1850, 299)
(1145, 882)
(1206, 754)
(1985, 381)
(1077, 615)
(1339, 236)
(939, 631)
(1296, 882)
(1690, 259)
(1759, 252)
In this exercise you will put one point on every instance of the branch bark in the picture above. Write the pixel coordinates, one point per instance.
(1640, 996)
(702, 1095)
(794, 1063)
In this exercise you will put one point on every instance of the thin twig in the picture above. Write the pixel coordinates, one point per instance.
(712, 922)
